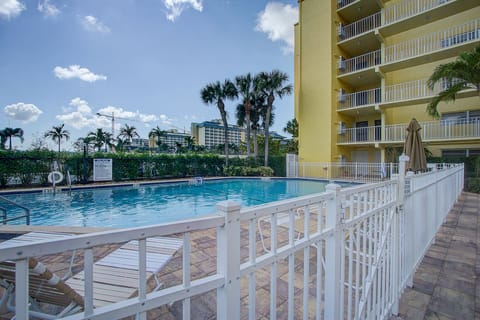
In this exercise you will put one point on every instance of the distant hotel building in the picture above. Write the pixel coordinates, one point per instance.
(171, 139)
(211, 133)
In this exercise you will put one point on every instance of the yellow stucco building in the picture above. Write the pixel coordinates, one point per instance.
(361, 68)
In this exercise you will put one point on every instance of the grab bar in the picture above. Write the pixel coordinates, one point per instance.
(26, 216)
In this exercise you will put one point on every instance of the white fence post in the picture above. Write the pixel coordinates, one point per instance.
(334, 219)
(228, 261)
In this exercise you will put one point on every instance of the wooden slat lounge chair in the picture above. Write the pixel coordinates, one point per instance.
(116, 276)
(44, 285)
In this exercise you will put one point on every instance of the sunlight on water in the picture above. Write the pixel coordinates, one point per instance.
(121, 207)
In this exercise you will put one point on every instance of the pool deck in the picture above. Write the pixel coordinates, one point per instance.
(445, 286)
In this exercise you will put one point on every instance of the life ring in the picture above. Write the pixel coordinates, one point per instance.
(57, 175)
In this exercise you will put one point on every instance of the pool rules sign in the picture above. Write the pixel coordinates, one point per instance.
(102, 169)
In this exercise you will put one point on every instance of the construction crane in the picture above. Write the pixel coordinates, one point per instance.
(113, 121)
(113, 117)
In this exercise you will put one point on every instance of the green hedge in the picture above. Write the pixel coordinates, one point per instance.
(29, 168)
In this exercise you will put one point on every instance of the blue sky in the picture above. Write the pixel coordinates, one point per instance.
(144, 60)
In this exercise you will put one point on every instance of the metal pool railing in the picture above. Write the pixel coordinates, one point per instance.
(6, 219)
(341, 254)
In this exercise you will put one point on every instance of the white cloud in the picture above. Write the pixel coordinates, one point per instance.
(277, 22)
(25, 112)
(10, 8)
(48, 9)
(91, 23)
(75, 71)
(80, 115)
(176, 7)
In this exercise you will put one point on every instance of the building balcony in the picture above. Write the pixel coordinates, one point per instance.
(401, 94)
(360, 69)
(439, 45)
(435, 46)
(360, 101)
(431, 132)
(350, 10)
(359, 36)
(409, 14)
(405, 15)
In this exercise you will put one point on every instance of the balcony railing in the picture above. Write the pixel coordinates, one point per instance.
(408, 90)
(397, 12)
(461, 34)
(360, 98)
(408, 8)
(431, 131)
(358, 63)
(416, 89)
(464, 33)
(344, 3)
(358, 27)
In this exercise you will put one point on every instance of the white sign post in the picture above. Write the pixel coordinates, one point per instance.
(102, 169)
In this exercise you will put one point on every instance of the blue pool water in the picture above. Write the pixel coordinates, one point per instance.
(122, 207)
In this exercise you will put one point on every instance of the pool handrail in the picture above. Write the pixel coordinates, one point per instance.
(26, 216)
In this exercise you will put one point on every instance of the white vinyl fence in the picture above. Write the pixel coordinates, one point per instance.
(351, 171)
(342, 254)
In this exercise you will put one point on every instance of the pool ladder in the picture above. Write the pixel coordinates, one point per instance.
(6, 219)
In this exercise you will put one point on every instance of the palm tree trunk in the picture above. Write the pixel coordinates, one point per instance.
(255, 142)
(58, 145)
(10, 142)
(225, 128)
(247, 120)
(267, 133)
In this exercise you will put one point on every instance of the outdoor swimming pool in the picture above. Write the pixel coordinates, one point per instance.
(132, 206)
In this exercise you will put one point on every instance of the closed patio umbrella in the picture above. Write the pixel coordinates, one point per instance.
(414, 148)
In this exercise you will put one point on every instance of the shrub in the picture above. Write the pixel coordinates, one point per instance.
(248, 171)
(472, 185)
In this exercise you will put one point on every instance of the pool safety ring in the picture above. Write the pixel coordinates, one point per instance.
(55, 177)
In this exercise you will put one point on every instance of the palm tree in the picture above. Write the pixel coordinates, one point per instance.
(216, 93)
(100, 138)
(9, 133)
(3, 139)
(461, 74)
(246, 90)
(189, 143)
(128, 133)
(157, 133)
(271, 85)
(292, 128)
(57, 133)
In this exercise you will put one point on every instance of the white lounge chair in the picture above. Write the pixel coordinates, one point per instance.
(116, 276)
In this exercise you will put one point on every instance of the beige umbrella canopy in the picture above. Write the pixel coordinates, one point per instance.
(414, 148)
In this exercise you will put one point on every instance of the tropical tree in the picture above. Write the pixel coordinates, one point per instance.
(128, 133)
(461, 74)
(271, 85)
(57, 133)
(292, 128)
(3, 139)
(9, 133)
(245, 87)
(157, 133)
(100, 138)
(189, 143)
(216, 93)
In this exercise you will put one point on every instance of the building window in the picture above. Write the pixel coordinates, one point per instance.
(464, 117)
(460, 153)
